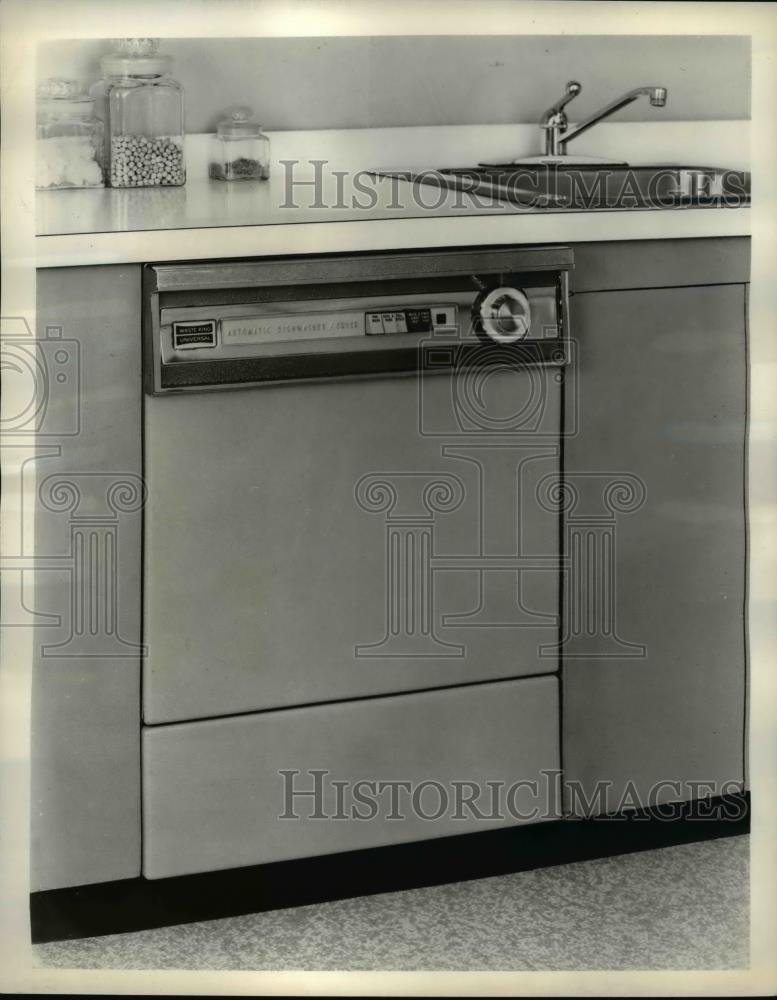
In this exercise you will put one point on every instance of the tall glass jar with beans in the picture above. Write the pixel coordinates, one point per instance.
(145, 117)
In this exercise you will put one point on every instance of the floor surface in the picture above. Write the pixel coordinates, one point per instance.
(680, 907)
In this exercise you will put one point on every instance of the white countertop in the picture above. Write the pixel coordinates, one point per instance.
(213, 219)
(371, 233)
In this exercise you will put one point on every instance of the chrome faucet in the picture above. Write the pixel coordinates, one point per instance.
(556, 125)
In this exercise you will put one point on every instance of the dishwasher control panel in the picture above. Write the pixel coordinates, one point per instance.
(285, 328)
(223, 325)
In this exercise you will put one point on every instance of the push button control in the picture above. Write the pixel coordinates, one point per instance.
(390, 322)
(374, 324)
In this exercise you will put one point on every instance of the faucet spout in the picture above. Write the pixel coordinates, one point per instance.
(656, 96)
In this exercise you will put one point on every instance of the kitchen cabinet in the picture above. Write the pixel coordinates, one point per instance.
(656, 398)
(662, 398)
(87, 473)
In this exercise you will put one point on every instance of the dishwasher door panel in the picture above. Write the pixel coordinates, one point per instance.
(281, 569)
(216, 796)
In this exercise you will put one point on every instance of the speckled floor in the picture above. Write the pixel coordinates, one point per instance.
(681, 907)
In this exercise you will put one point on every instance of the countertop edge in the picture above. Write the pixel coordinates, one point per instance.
(386, 234)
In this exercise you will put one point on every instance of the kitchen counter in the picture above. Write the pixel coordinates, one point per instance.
(248, 225)
(211, 219)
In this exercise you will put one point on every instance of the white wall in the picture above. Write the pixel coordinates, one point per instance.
(363, 82)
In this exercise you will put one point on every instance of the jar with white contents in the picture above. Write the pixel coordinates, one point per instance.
(69, 146)
(145, 116)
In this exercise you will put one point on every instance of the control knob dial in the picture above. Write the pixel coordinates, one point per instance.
(504, 314)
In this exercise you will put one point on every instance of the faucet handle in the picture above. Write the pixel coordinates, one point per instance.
(573, 89)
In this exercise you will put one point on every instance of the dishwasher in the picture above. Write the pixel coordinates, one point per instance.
(351, 567)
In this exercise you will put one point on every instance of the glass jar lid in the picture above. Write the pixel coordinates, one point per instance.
(238, 125)
(135, 57)
(61, 96)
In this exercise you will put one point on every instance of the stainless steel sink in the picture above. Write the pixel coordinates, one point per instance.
(559, 181)
(594, 187)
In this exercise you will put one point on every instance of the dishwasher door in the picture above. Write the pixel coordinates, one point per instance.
(365, 512)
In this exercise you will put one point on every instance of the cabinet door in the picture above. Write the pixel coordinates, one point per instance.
(661, 407)
(85, 721)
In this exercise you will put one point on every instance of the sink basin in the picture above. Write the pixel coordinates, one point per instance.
(591, 188)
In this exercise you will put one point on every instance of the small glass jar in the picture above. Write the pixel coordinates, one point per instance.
(145, 108)
(239, 150)
(69, 148)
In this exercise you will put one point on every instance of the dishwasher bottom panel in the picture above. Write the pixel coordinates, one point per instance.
(225, 793)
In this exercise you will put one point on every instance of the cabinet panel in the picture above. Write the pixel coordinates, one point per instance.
(85, 753)
(214, 791)
(663, 399)
(660, 263)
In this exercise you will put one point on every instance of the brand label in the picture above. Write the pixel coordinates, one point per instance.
(190, 335)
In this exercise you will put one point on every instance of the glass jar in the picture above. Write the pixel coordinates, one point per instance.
(101, 88)
(239, 150)
(69, 147)
(145, 108)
